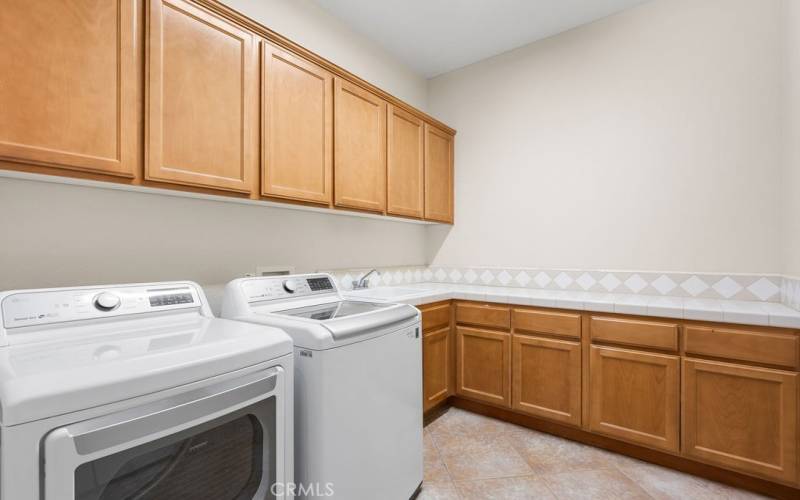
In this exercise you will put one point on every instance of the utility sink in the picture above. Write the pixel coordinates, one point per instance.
(384, 292)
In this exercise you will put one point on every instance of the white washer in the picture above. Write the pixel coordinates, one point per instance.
(137, 391)
(358, 384)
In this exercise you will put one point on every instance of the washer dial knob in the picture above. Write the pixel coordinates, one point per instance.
(290, 286)
(107, 301)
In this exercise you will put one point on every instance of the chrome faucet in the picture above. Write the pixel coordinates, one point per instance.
(364, 282)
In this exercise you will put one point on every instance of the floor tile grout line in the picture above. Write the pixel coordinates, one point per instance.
(439, 454)
(634, 481)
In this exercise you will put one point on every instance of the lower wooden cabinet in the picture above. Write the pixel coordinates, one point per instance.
(546, 378)
(633, 396)
(483, 365)
(436, 385)
(725, 414)
(741, 417)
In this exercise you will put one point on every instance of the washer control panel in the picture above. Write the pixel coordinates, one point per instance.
(57, 306)
(282, 287)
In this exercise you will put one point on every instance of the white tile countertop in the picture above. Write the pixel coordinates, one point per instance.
(724, 311)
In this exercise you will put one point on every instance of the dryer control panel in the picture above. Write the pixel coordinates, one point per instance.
(42, 307)
(283, 287)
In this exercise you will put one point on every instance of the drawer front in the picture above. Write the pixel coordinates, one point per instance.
(554, 323)
(435, 317)
(491, 315)
(779, 349)
(635, 333)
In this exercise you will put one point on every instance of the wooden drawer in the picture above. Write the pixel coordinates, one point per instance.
(476, 313)
(554, 323)
(770, 348)
(635, 333)
(435, 316)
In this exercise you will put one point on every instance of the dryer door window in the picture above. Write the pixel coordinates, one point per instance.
(222, 442)
(222, 461)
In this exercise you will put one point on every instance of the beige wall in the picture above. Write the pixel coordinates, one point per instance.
(57, 235)
(791, 182)
(647, 140)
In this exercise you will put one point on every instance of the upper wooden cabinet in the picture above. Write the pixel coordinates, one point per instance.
(634, 396)
(741, 417)
(406, 164)
(359, 148)
(297, 128)
(69, 84)
(201, 99)
(438, 175)
(193, 94)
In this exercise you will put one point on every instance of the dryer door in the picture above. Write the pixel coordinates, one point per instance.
(224, 441)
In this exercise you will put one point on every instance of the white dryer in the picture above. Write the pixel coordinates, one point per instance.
(358, 384)
(137, 391)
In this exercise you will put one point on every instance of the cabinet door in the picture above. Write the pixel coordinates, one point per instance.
(406, 165)
(435, 367)
(359, 169)
(69, 87)
(634, 396)
(202, 88)
(438, 175)
(741, 417)
(483, 365)
(546, 379)
(297, 127)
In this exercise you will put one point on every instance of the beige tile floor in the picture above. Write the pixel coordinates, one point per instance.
(469, 456)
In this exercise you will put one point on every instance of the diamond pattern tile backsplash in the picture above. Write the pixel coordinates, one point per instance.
(758, 287)
(790, 292)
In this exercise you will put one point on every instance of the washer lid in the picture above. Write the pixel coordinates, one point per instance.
(98, 364)
(363, 325)
(333, 310)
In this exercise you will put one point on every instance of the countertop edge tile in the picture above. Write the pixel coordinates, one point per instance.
(697, 309)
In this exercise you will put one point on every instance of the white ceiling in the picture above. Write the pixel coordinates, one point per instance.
(437, 36)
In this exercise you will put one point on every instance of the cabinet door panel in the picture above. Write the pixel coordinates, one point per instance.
(634, 396)
(741, 417)
(201, 99)
(435, 367)
(546, 378)
(438, 175)
(405, 164)
(483, 361)
(69, 87)
(359, 169)
(297, 127)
